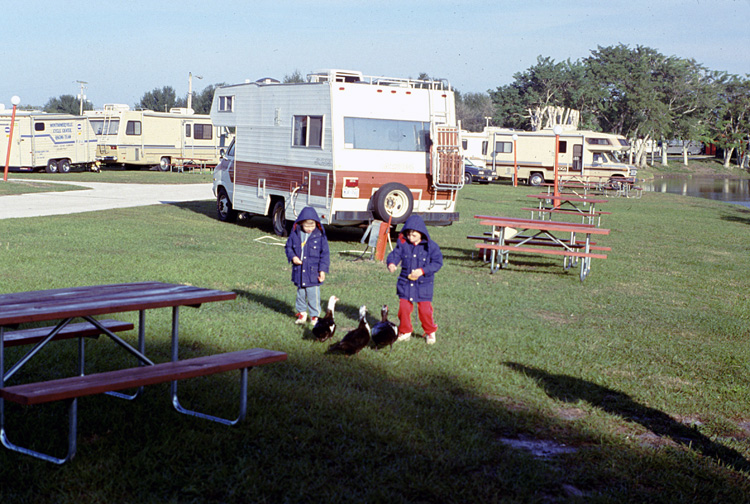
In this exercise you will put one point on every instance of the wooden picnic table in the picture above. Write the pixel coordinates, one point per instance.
(583, 206)
(533, 236)
(66, 304)
(180, 163)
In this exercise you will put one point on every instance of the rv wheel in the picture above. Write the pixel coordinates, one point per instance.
(224, 208)
(278, 218)
(52, 166)
(536, 179)
(164, 163)
(63, 166)
(393, 201)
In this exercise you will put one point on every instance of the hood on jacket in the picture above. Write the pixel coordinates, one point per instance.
(416, 223)
(308, 213)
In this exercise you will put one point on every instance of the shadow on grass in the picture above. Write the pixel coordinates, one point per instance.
(571, 389)
(285, 307)
(740, 216)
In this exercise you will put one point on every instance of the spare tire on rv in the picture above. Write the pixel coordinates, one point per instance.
(393, 201)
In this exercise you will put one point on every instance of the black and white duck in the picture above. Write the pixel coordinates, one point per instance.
(355, 340)
(385, 332)
(325, 327)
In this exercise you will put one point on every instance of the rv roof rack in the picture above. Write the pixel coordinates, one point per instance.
(354, 76)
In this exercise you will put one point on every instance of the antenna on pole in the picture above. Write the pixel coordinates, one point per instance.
(190, 90)
(81, 96)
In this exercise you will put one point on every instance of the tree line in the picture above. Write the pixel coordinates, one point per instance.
(636, 92)
(633, 91)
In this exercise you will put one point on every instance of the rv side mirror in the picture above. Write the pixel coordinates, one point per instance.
(222, 153)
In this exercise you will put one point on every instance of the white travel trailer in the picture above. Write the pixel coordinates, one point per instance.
(148, 138)
(51, 142)
(583, 155)
(353, 147)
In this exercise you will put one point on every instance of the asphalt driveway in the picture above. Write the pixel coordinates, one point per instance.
(99, 196)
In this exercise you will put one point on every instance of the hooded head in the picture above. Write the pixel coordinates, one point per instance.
(416, 223)
(308, 213)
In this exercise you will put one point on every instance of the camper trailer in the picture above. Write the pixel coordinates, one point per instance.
(583, 155)
(51, 142)
(355, 148)
(148, 138)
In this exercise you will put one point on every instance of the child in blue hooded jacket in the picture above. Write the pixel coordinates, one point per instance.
(307, 250)
(420, 259)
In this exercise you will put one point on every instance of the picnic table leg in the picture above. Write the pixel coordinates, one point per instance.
(142, 350)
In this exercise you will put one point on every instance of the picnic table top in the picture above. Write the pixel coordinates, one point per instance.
(567, 197)
(32, 306)
(489, 220)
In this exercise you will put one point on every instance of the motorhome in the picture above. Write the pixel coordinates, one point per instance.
(581, 154)
(355, 148)
(148, 138)
(50, 142)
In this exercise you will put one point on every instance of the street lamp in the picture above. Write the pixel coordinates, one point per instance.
(15, 101)
(557, 130)
(515, 161)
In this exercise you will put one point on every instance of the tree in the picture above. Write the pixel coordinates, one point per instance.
(472, 109)
(202, 101)
(67, 104)
(544, 84)
(160, 100)
(729, 122)
(295, 77)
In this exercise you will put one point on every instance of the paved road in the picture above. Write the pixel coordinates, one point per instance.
(99, 196)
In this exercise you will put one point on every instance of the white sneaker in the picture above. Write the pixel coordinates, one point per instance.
(404, 336)
(301, 318)
(313, 320)
(430, 338)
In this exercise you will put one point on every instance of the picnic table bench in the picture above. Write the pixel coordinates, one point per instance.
(86, 302)
(536, 237)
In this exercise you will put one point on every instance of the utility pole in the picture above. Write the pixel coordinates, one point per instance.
(190, 90)
(81, 96)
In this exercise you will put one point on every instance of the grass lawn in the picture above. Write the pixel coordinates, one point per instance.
(630, 387)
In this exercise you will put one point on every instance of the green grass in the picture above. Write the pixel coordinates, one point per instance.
(643, 369)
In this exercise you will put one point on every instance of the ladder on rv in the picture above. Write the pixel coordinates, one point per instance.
(446, 158)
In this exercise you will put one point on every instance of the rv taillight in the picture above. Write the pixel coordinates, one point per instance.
(351, 188)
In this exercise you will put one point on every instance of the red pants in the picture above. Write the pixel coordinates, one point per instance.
(424, 309)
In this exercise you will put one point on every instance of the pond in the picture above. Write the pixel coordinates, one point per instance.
(729, 189)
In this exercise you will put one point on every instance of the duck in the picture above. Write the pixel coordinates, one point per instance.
(356, 339)
(325, 327)
(384, 333)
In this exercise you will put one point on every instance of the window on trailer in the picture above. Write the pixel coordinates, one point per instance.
(226, 103)
(386, 134)
(203, 131)
(503, 147)
(308, 131)
(133, 128)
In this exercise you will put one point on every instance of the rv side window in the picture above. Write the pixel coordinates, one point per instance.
(484, 147)
(503, 147)
(226, 103)
(562, 146)
(203, 131)
(386, 134)
(598, 141)
(38, 126)
(187, 131)
(133, 128)
(308, 131)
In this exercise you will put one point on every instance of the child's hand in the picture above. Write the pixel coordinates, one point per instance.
(296, 260)
(416, 273)
(322, 276)
(391, 268)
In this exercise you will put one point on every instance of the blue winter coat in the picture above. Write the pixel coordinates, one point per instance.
(425, 255)
(315, 257)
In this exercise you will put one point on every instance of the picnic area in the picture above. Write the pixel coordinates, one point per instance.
(630, 386)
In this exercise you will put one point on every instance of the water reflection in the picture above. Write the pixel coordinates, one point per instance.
(733, 190)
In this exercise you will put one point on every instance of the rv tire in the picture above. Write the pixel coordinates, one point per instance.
(51, 166)
(164, 163)
(278, 218)
(536, 179)
(224, 209)
(63, 166)
(393, 201)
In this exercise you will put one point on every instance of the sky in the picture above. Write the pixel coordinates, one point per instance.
(123, 49)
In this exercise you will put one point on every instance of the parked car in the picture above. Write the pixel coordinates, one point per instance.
(473, 173)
